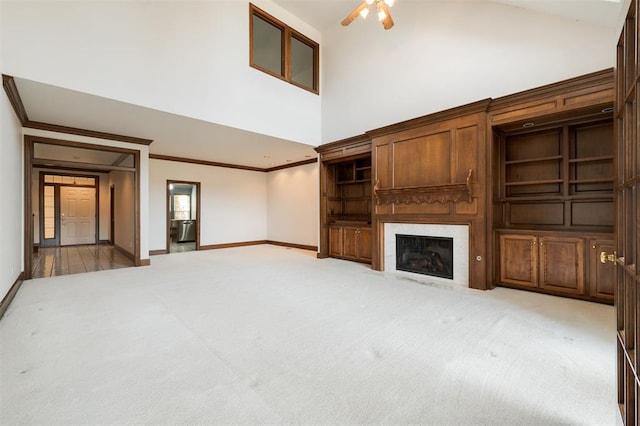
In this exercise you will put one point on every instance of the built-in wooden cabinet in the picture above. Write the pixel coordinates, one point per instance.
(346, 200)
(559, 177)
(553, 175)
(350, 242)
(349, 197)
(551, 263)
(558, 264)
(601, 271)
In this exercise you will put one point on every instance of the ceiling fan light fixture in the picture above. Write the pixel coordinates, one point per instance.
(382, 10)
(381, 14)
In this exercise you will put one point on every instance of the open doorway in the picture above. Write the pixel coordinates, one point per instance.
(69, 206)
(183, 216)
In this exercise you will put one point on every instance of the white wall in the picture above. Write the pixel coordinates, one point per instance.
(124, 209)
(293, 205)
(234, 202)
(185, 57)
(445, 54)
(11, 172)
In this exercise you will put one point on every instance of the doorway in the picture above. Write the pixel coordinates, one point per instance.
(68, 209)
(183, 216)
(82, 160)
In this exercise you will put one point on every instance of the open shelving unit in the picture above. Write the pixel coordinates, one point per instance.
(349, 198)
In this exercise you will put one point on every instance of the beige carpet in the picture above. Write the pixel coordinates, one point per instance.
(266, 334)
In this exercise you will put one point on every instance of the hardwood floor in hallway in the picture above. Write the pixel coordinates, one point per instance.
(54, 261)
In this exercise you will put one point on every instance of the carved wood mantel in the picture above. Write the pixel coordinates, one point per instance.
(445, 193)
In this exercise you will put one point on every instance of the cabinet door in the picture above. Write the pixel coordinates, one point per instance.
(601, 275)
(335, 241)
(562, 264)
(364, 244)
(519, 260)
(350, 242)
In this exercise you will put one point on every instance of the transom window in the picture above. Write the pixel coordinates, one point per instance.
(281, 51)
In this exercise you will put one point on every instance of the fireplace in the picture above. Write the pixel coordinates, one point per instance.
(455, 236)
(425, 255)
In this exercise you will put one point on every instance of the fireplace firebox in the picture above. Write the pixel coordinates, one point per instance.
(425, 255)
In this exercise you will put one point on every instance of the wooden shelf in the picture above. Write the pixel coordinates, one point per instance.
(578, 197)
(591, 159)
(534, 160)
(364, 198)
(533, 182)
(579, 181)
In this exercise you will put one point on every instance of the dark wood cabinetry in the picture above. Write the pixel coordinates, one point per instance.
(553, 188)
(350, 242)
(555, 264)
(625, 256)
(601, 271)
(346, 200)
(560, 264)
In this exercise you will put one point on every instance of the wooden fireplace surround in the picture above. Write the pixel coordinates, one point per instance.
(446, 168)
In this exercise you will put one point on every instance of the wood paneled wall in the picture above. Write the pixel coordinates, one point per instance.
(430, 154)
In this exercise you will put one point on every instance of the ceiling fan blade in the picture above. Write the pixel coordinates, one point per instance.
(353, 15)
(388, 21)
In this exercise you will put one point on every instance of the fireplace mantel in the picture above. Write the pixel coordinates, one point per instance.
(444, 193)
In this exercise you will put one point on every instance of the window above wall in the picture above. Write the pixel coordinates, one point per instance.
(279, 50)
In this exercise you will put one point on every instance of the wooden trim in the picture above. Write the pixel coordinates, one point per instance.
(339, 144)
(10, 88)
(447, 193)
(11, 294)
(203, 162)
(290, 165)
(599, 77)
(83, 132)
(229, 166)
(468, 109)
(74, 165)
(29, 141)
(28, 207)
(292, 245)
(287, 34)
(198, 212)
(136, 209)
(127, 254)
(104, 242)
(9, 84)
(157, 252)
(143, 262)
(84, 145)
(231, 245)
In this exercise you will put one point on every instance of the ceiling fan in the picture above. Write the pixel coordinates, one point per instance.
(382, 8)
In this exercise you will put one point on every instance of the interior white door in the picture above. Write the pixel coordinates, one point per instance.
(77, 215)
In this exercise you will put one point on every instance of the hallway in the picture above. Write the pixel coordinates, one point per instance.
(55, 261)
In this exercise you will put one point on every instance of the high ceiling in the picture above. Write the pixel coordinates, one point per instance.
(324, 14)
(180, 136)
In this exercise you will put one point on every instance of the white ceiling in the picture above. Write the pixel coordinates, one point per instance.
(323, 14)
(172, 134)
(180, 136)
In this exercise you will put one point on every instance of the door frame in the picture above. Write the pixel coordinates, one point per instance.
(29, 159)
(56, 242)
(168, 219)
(112, 212)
